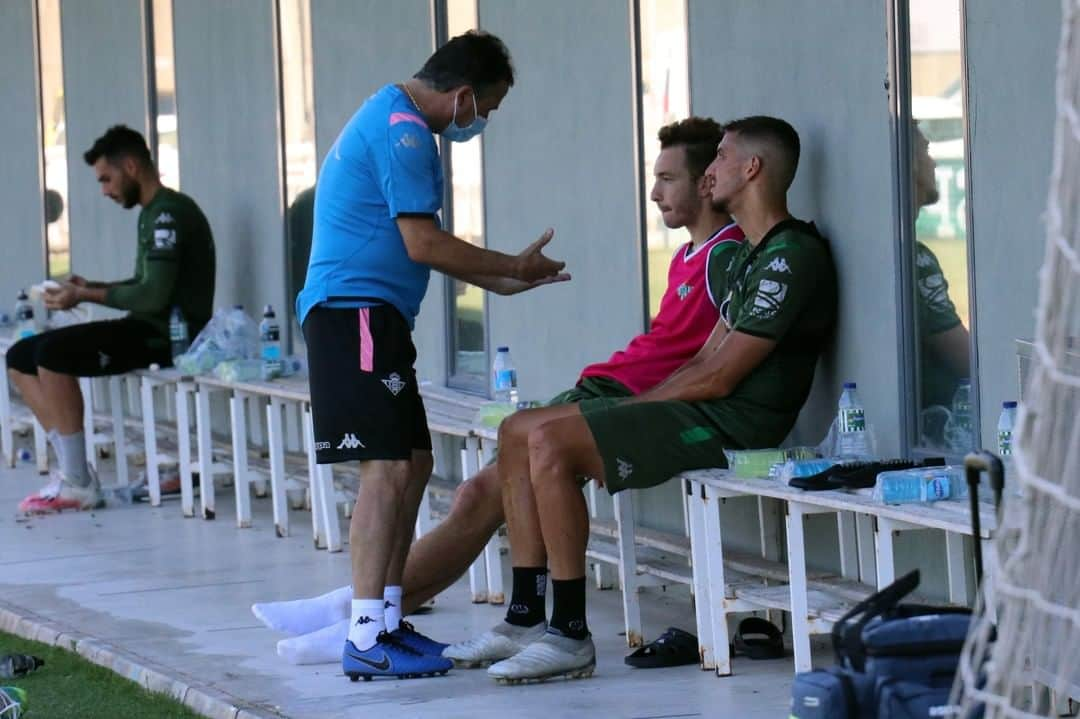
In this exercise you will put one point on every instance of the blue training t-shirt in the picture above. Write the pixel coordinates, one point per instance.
(384, 164)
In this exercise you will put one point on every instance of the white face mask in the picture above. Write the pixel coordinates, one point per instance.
(453, 133)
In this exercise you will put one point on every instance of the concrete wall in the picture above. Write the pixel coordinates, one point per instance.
(1011, 117)
(229, 137)
(21, 202)
(101, 89)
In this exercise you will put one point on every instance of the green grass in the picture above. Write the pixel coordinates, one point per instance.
(69, 686)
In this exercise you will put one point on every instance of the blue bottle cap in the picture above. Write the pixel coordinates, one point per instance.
(504, 349)
(1008, 405)
(849, 385)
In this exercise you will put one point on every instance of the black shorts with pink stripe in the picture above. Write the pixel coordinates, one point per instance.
(365, 402)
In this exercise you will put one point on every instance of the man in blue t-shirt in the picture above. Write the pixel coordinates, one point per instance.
(376, 239)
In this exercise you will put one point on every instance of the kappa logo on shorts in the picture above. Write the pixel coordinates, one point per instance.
(104, 359)
(349, 441)
(625, 468)
(394, 383)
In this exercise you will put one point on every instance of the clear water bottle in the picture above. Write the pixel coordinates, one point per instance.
(178, 333)
(851, 439)
(24, 316)
(931, 484)
(1006, 422)
(18, 665)
(504, 377)
(270, 344)
(961, 438)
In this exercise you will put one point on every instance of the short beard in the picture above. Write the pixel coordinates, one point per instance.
(721, 206)
(130, 196)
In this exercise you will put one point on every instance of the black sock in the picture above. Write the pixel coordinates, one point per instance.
(527, 598)
(568, 610)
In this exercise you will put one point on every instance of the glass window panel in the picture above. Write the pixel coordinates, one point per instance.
(945, 416)
(468, 327)
(665, 98)
(54, 139)
(298, 127)
(168, 148)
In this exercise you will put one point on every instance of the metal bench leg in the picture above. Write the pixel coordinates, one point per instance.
(864, 528)
(800, 611)
(699, 566)
(292, 428)
(238, 420)
(957, 572)
(183, 447)
(885, 532)
(116, 409)
(153, 471)
(849, 545)
(714, 555)
(628, 578)
(86, 385)
(7, 432)
(318, 533)
(41, 448)
(478, 569)
(769, 513)
(277, 467)
(206, 452)
(493, 549)
(604, 574)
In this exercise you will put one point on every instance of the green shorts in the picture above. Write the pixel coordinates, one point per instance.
(591, 388)
(646, 444)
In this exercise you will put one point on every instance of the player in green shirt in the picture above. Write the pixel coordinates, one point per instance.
(743, 389)
(174, 267)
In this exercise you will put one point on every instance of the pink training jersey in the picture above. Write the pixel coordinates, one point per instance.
(688, 313)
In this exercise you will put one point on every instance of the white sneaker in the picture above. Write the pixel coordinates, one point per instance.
(553, 656)
(504, 640)
(59, 495)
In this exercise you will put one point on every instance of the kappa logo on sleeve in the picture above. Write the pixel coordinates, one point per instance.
(779, 264)
(164, 219)
(409, 141)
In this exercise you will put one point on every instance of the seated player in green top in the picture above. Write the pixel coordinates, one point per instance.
(744, 388)
(174, 267)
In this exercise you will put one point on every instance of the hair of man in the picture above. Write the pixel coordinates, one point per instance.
(475, 58)
(772, 140)
(118, 142)
(698, 136)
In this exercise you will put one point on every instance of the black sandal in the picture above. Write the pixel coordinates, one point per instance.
(672, 649)
(758, 638)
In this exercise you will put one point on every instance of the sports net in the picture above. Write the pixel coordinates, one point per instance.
(1034, 600)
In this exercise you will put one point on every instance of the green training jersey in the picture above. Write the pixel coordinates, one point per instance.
(174, 265)
(783, 289)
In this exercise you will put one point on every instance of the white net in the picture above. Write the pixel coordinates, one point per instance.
(1034, 580)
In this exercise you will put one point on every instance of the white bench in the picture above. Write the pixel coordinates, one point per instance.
(814, 601)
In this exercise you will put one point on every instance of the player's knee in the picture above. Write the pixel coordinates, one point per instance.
(545, 453)
(513, 431)
(479, 496)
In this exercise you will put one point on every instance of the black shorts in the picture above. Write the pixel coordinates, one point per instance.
(365, 402)
(92, 349)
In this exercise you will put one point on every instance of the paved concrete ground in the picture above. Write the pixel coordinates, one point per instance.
(174, 594)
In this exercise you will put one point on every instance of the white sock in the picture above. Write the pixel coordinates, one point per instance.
(73, 459)
(392, 607)
(303, 616)
(54, 440)
(366, 623)
(322, 646)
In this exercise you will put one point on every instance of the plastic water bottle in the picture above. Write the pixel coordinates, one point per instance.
(18, 665)
(24, 316)
(1006, 422)
(178, 333)
(961, 437)
(504, 377)
(851, 441)
(270, 344)
(931, 484)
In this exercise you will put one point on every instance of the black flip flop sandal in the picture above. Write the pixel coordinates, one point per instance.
(758, 638)
(672, 649)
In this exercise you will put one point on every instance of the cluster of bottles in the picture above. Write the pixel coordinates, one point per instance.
(273, 361)
(928, 484)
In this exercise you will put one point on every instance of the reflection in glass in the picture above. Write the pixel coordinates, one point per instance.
(467, 326)
(940, 252)
(168, 149)
(665, 98)
(298, 128)
(54, 140)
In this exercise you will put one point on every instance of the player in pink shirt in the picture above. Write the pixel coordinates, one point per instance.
(689, 310)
